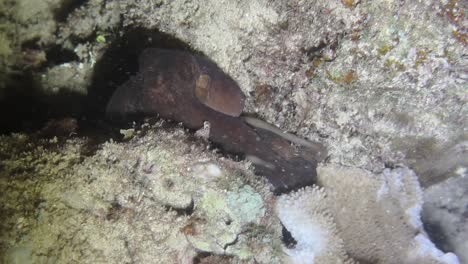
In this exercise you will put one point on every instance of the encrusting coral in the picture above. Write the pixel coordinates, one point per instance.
(376, 216)
(161, 197)
(372, 218)
(305, 215)
(155, 198)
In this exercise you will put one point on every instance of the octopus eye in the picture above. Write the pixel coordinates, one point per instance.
(202, 88)
(219, 94)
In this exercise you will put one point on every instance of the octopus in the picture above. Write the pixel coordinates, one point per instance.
(193, 90)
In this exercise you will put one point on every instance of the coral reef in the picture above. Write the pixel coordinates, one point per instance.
(379, 216)
(370, 79)
(371, 218)
(157, 198)
(305, 215)
(161, 196)
(382, 84)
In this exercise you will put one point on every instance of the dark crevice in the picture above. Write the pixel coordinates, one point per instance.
(120, 62)
(58, 55)
(61, 14)
(315, 50)
(437, 236)
(181, 211)
(116, 211)
(19, 107)
(287, 238)
(210, 258)
(91, 38)
(231, 243)
(24, 107)
(31, 44)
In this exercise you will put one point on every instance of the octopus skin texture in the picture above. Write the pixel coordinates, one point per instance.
(191, 89)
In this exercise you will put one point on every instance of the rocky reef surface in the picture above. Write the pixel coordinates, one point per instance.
(382, 84)
(165, 196)
(159, 198)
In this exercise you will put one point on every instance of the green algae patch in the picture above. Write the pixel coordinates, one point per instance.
(213, 203)
(247, 204)
(226, 215)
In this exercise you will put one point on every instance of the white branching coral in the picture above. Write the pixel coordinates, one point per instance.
(304, 215)
(371, 218)
(378, 216)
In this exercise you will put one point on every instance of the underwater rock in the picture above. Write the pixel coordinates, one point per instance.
(130, 201)
(445, 212)
(218, 222)
(192, 90)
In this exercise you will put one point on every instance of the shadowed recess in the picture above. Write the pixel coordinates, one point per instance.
(66, 8)
(120, 61)
(25, 107)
